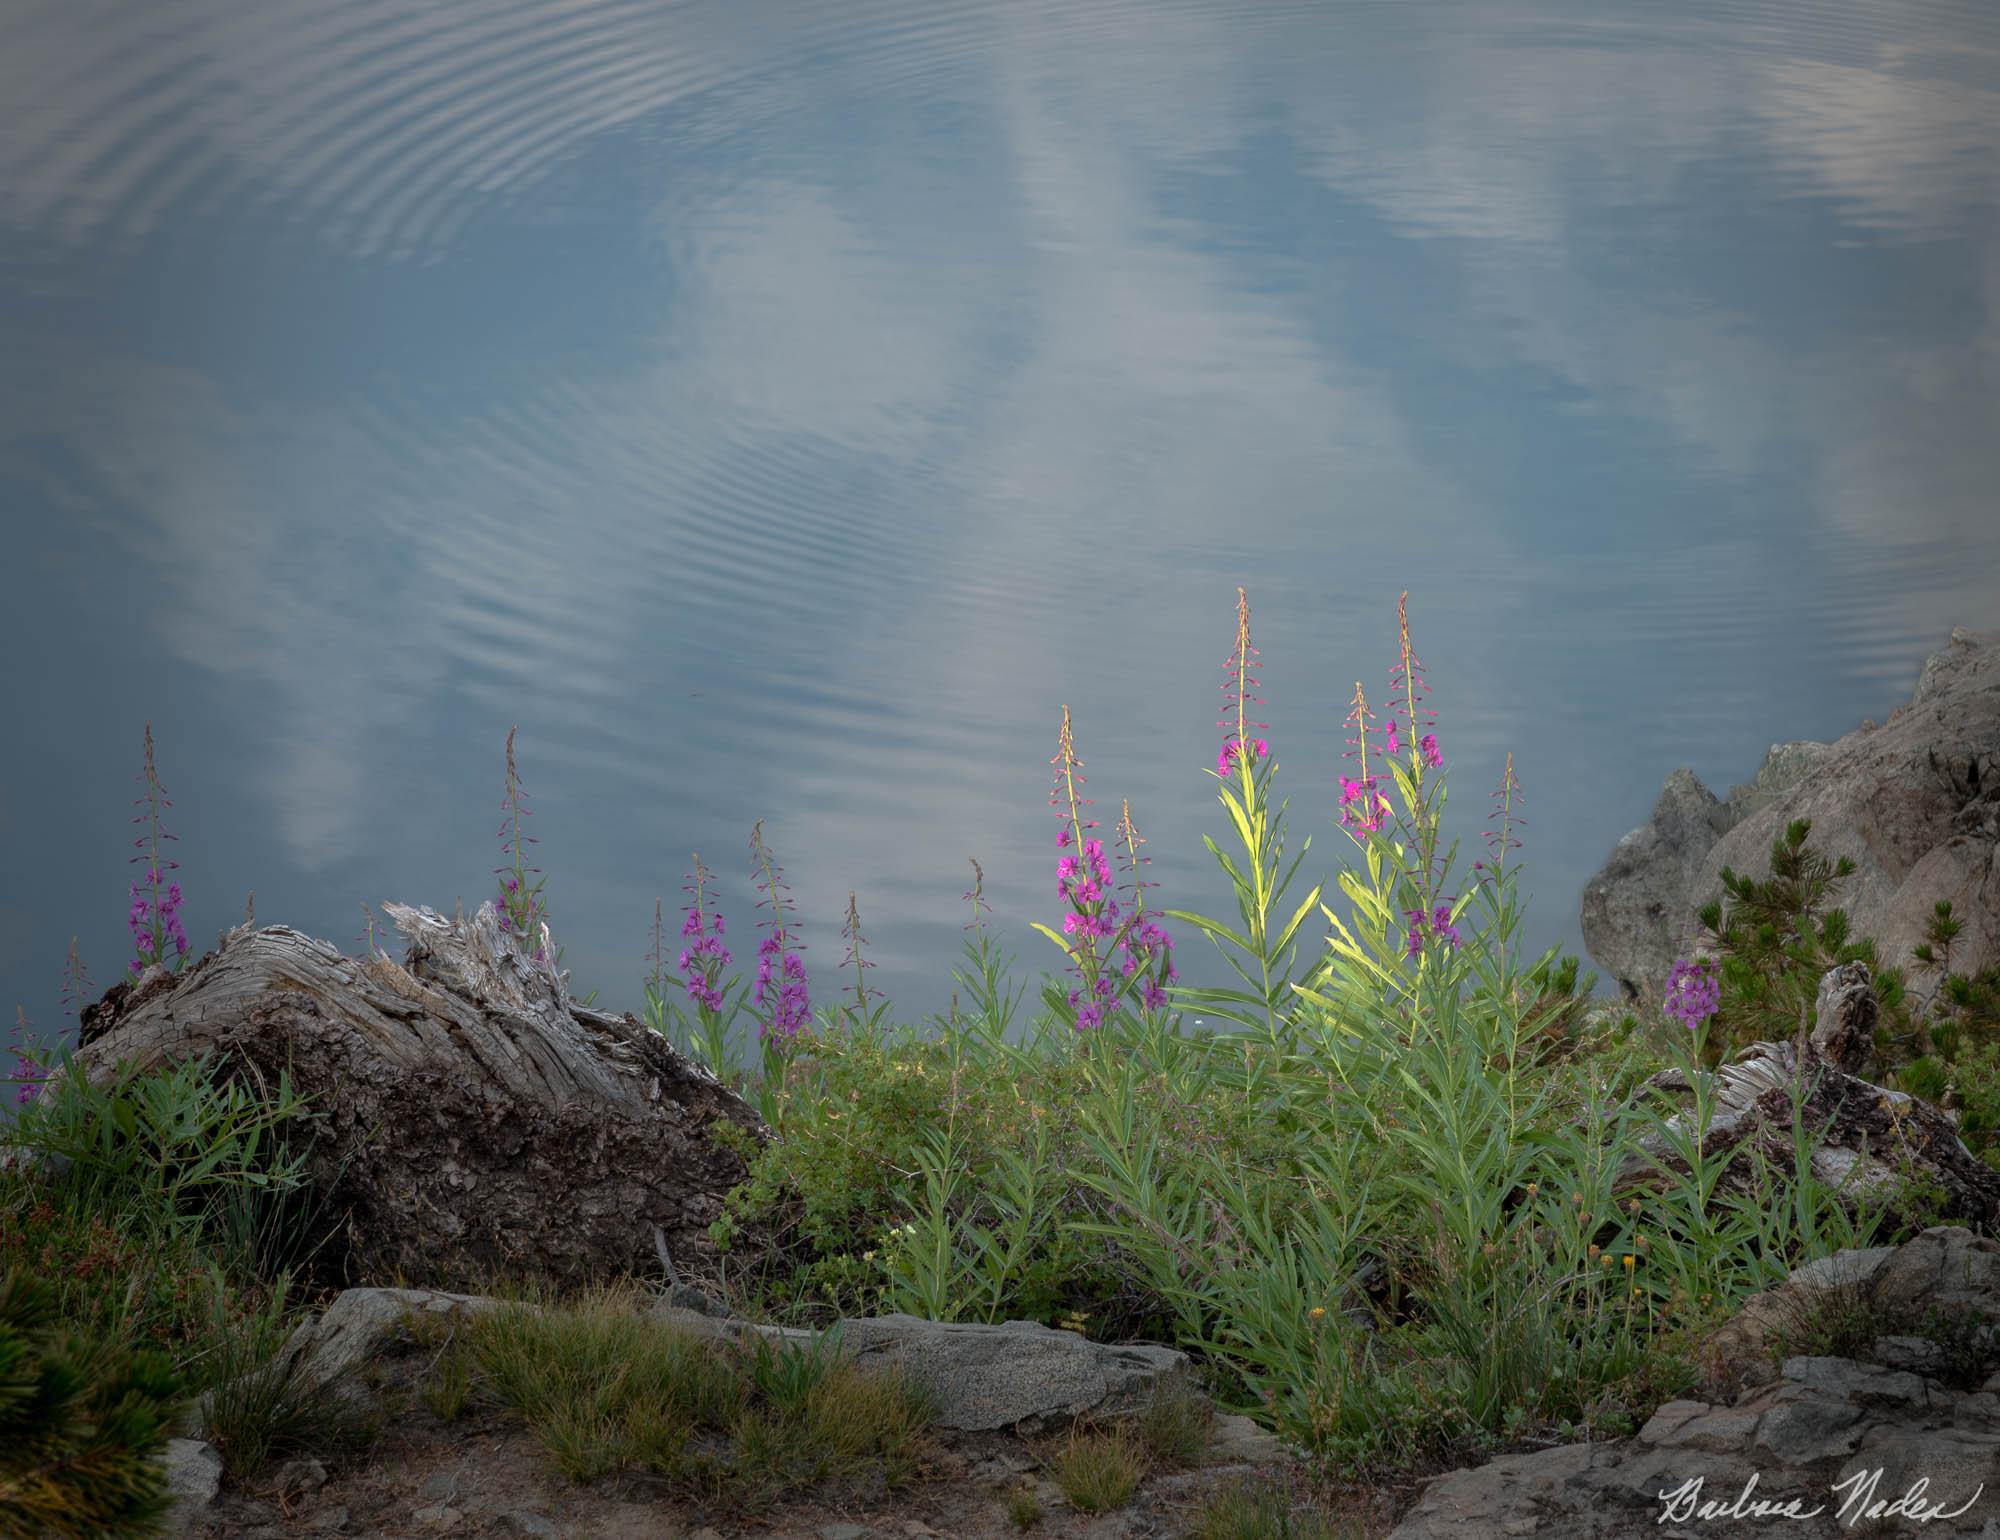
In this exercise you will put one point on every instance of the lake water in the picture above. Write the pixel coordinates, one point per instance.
(782, 410)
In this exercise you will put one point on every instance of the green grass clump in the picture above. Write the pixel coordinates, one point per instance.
(606, 1389)
(1246, 1512)
(1175, 1426)
(1024, 1509)
(265, 1404)
(1100, 1471)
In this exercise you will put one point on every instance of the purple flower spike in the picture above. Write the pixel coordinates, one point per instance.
(1694, 993)
(154, 919)
(792, 1010)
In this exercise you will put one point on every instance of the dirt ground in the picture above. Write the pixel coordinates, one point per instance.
(484, 1476)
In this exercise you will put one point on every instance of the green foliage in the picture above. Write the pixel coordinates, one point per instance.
(114, 1277)
(81, 1421)
(1957, 1038)
(1265, 945)
(163, 1143)
(1778, 937)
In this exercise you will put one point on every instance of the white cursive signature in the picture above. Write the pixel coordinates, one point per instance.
(1685, 1502)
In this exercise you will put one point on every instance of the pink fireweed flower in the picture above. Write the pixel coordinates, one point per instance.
(703, 962)
(1146, 946)
(793, 1007)
(1694, 992)
(1068, 804)
(154, 919)
(1437, 924)
(1373, 807)
(1225, 762)
(28, 1071)
(1432, 756)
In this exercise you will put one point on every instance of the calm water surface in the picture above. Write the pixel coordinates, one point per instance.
(783, 410)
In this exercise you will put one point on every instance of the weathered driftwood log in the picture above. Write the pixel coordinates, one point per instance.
(1866, 1141)
(468, 1116)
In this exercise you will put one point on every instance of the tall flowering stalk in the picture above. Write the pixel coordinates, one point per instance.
(1243, 770)
(75, 985)
(1148, 947)
(1496, 973)
(777, 962)
(156, 902)
(701, 963)
(851, 930)
(1363, 809)
(995, 1011)
(1405, 920)
(523, 914)
(29, 1072)
(1083, 881)
(1416, 745)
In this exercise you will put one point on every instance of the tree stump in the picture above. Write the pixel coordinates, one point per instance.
(468, 1117)
(1867, 1141)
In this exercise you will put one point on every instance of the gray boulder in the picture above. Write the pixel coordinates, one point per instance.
(363, 1345)
(194, 1476)
(1631, 908)
(1823, 1431)
(1914, 803)
(1020, 1374)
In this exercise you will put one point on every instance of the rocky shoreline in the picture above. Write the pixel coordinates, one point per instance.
(1914, 802)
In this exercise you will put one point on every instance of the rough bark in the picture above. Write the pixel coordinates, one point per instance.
(1866, 1140)
(468, 1117)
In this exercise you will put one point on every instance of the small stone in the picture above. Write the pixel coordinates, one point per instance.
(1240, 1440)
(332, 1521)
(1919, 1355)
(531, 1526)
(843, 1532)
(917, 1529)
(440, 1488)
(300, 1475)
(439, 1517)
